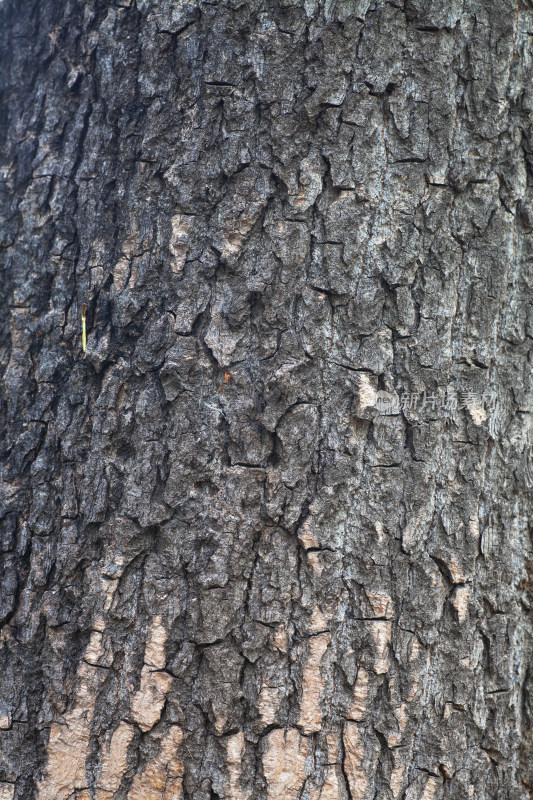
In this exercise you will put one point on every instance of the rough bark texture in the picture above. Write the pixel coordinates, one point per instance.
(228, 572)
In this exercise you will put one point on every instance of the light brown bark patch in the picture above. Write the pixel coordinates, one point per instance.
(367, 392)
(161, 779)
(381, 604)
(268, 704)
(414, 649)
(360, 694)
(315, 563)
(460, 602)
(318, 622)
(95, 649)
(149, 700)
(430, 789)
(397, 780)
(284, 764)
(234, 755)
(313, 684)
(477, 412)
(281, 640)
(306, 536)
(154, 654)
(455, 570)
(114, 759)
(333, 787)
(382, 635)
(473, 526)
(69, 740)
(5, 721)
(394, 739)
(354, 759)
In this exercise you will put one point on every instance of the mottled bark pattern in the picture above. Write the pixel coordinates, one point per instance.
(225, 573)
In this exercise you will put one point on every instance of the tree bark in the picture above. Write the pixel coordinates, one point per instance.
(268, 537)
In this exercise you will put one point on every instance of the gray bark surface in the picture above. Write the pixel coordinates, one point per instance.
(228, 572)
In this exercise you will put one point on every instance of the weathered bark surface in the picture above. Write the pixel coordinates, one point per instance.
(227, 572)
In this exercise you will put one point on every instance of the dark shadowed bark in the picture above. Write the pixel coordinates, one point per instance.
(268, 537)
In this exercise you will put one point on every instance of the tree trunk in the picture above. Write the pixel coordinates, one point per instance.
(267, 537)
